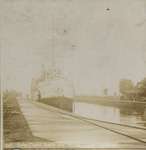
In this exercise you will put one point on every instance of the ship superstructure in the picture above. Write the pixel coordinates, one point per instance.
(51, 83)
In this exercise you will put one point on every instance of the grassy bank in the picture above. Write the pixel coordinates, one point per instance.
(15, 126)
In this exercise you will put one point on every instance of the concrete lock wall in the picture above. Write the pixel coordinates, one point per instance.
(59, 102)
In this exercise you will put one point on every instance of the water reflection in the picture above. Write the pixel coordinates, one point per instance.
(107, 113)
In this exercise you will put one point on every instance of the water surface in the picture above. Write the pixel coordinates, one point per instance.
(108, 113)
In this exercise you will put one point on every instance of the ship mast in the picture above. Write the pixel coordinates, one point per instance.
(53, 42)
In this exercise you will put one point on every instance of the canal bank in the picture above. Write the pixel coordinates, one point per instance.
(16, 128)
(49, 122)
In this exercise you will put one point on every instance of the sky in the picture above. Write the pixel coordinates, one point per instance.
(93, 46)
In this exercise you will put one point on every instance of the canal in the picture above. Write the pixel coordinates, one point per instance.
(109, 113)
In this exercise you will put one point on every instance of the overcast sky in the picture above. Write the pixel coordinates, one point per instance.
(94, 46)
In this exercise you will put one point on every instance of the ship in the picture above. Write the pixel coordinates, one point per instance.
(51, 83)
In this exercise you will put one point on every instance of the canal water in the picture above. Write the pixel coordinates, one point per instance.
(108, 113)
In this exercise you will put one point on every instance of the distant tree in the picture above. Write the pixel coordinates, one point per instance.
(105, 92)
(141, 88)
(127, 89)
(125, 86)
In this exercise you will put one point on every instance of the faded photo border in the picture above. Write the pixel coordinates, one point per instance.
(89, 49)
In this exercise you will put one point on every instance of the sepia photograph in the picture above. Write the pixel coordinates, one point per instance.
(73, 74)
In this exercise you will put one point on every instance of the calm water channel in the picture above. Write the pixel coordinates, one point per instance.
(108, 113)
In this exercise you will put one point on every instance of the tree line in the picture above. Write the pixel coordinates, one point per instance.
(130, 91)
